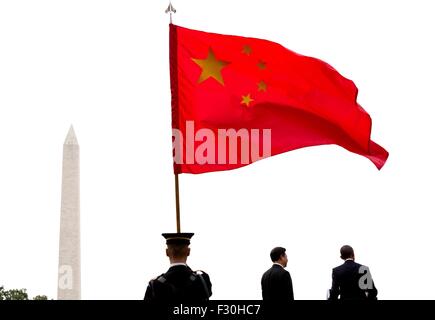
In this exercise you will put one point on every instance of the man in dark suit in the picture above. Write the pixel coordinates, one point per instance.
(351, 280)
(276, 283)
(179, 283)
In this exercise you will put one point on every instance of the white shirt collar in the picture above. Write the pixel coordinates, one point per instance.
(349, 259)
(278, 264)
(177, 264)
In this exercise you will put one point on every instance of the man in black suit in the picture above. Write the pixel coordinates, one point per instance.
(351, 280)
(179, 283)
(276, 283)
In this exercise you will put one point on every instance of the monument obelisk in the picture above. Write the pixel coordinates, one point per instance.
(69, 286)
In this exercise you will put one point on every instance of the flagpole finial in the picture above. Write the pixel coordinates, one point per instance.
(171, 10)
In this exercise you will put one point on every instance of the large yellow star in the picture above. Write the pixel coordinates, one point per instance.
(247, 99)
(211, 67)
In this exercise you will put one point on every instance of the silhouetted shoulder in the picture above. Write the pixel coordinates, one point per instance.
(153, 287)
(204, 279)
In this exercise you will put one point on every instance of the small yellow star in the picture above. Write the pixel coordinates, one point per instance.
(261, 64)
(247, 50)
(211, 67)
(262, 86)
(247, 99)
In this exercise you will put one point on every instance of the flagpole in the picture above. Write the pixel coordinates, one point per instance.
(170, 9)
(177, 203)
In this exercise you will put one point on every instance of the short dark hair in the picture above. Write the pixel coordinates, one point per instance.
(346, 252)
(276, 253)
(178, 250)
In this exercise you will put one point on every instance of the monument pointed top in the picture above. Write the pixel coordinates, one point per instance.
(71, 137)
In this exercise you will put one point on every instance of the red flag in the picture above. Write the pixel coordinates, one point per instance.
(236, 100)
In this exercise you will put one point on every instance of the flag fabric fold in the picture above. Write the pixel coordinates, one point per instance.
(236, 100)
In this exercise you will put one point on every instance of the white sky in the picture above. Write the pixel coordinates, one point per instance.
(103, 66)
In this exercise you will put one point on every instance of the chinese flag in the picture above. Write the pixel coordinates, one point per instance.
(268, 99)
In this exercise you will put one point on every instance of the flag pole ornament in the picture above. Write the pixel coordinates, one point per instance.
(170, 9)
(236, 100)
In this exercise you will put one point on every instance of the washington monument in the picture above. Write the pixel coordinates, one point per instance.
(68, 287)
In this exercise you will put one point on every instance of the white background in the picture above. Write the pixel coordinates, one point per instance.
(103, 66)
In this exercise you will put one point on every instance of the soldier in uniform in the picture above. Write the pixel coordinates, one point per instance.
(179, 283)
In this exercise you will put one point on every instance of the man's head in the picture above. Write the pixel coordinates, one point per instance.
(278, 255)
(346, 252)
(178, 246)
(178, 252)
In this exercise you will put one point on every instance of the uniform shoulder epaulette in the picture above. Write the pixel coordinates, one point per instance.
(161, 278)
(157, 278)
